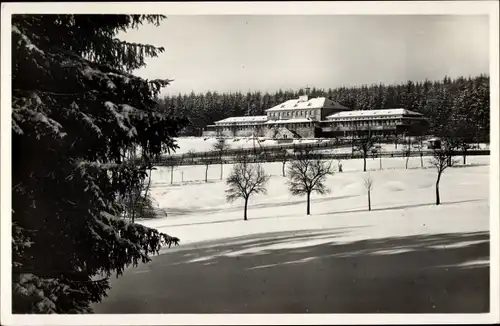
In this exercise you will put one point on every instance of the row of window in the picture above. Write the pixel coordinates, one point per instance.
(295, 113)
(294, 125)
(373, 132)
(240, 123)
(366, 118)
(369, 123)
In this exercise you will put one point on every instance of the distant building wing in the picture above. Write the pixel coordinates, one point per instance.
(245, 119)
(372, 113)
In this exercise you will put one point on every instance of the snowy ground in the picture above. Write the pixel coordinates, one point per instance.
(196, 209)
(406, 255)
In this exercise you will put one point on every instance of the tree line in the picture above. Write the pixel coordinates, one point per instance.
(462, 101)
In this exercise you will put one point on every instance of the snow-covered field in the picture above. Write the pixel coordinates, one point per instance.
(402, 203)
(407, 255)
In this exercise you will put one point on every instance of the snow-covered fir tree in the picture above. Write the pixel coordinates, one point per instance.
(78, 114)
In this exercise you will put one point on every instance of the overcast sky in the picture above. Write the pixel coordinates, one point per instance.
(241, 53)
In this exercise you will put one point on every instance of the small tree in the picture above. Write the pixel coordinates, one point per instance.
(450, 144)
(407, 152)
(420, 140)
(364, 144)
(396, 139)
(220, 147)
(465, 146)
(380, 157)
(206, 161)
(368, 182)
(191, 153)
(307, 174)
(441, 159)
(246, 179)
(172, 163)
(283, 161)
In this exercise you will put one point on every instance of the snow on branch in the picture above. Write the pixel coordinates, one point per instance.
(24, 41)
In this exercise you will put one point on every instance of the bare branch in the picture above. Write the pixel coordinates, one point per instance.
(307, 174)
(368, 182)
(246, 179)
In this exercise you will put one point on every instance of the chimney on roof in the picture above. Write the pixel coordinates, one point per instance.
(305, 98)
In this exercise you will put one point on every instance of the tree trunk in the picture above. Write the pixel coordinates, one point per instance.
(421, 160)
(146, 192)
(172, 174)
(369, 201)
(407, 159)
(132, 207)
(380, 159)
(221, 166)
(206, 173)
(308, 203)
(438, 199)
(283, 168)
(364, 161)
(245, 214)
(465, 156)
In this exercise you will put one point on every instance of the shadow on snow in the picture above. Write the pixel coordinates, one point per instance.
(411, 274)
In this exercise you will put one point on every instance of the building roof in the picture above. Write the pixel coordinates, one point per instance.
(303, 103)
(245, 119)
(371, 113)
(301, 120)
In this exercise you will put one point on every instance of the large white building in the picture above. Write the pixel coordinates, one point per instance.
(319, 117)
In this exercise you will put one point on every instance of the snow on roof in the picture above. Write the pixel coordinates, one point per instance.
(371, 113)
(303, 104)
(302, 120)
(247, 119)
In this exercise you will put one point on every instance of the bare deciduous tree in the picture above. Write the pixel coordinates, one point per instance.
(307, 174)
(191, 153)
(172, 163)
(284, 160)
(441, 159)
(407, 152)
(379, 152)
(246, 179)
(221, 146)
(420, 140)
(364, 144)
(206, 161)
(368, 182)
